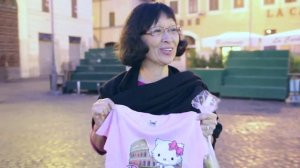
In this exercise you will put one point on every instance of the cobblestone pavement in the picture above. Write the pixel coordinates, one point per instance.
(40, 130)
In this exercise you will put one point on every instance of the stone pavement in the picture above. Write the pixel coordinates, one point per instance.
(39, 130)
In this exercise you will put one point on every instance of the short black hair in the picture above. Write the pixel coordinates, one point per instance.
(131, 49)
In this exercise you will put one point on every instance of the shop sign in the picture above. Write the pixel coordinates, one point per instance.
(293, 11)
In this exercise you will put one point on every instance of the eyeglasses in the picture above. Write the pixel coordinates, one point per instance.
(158, 31)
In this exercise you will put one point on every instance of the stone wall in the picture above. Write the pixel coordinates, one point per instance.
(9, 43)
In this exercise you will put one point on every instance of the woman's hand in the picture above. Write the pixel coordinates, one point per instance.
(100, 111)
(208, 122)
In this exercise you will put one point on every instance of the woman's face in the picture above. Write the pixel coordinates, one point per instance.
(162, 39)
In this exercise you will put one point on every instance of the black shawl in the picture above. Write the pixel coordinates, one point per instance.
(172, 94)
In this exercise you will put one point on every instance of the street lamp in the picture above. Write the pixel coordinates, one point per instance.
(53, 75)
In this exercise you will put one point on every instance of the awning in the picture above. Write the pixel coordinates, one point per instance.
(285, 38)
(232, 39)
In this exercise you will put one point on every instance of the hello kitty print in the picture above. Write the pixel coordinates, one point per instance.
(168, 154)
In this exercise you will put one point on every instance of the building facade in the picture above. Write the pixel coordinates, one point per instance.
(71, 28)
(202, 19)
(248, 20)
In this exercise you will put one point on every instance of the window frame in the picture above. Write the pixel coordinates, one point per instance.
(244, 9)
(177, 10)
(45, 7)
(188, 8)
(111, 19)
(196, 8)
(285, 1)
(264, 3)
(270, 6)
(209, 3)
(74, 9)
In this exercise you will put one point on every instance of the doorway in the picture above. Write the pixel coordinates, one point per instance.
(45, 54)
(74, 51)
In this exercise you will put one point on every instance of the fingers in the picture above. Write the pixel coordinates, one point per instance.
(207, 130)
(208, 119)
(208, 122)
(103, 106)
(208, 127)
(100, 111)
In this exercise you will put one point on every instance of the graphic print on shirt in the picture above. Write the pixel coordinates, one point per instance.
(168, 154)
(165, 154)
(140, 155)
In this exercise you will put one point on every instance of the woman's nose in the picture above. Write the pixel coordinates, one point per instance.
(166, 37)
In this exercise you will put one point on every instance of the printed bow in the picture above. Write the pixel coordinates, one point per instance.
(173, 146)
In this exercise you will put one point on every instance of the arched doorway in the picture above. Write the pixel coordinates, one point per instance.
(109, 44)
(190, 40)
(191, 53)
(9, 40)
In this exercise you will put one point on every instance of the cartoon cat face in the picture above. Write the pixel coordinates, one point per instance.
(167, 153)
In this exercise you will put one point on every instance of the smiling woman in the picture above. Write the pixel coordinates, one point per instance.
(150, 41)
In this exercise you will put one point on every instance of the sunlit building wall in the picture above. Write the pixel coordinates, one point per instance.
(206, 18)
(73, 34)
(202, 19)
(109, 18)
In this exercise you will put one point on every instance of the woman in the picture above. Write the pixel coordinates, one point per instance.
(149, 42)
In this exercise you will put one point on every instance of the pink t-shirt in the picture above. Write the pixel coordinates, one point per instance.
(136, 139)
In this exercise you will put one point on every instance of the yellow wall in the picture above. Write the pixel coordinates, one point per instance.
(281, 16)
(255, 18)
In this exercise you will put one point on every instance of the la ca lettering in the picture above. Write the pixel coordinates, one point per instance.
(271, 14)
(279, 13)
(294, 11)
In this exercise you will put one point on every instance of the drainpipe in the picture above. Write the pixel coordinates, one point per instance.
(53, 75)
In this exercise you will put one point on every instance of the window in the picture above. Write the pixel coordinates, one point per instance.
(74, 40)
(269, 2)
(45, 37)
(197, 21)
(193, 6)
(238, 4)
(181, 23)
(74, 8)
(288, 1)
(111, 19)
(189, 22)
(174, 6)
(213, 5)
(45, 5)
